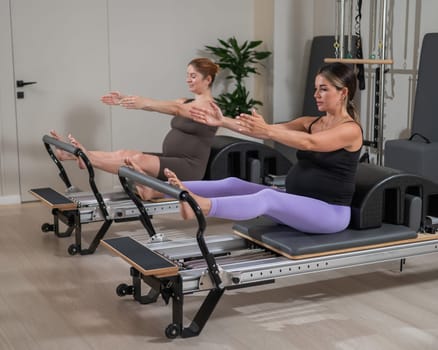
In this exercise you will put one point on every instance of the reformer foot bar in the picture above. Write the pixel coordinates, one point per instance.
(389, 208)
(75, 208)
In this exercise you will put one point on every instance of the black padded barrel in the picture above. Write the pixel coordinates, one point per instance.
(231, 156)
(381, 192)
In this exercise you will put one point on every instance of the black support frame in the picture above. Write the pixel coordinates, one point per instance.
(71, 218)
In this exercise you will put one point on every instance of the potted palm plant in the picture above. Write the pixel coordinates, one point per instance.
(240, 61)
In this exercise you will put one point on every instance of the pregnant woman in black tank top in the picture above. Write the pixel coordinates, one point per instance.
(319, 187)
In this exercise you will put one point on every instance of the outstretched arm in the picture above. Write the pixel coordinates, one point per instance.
(176, 107)
(346, 135)
(213, 116)
(170, 107)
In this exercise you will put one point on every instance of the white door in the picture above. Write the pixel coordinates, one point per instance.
(62, 46)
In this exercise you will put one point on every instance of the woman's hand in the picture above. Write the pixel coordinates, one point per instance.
(113, 98)
(133, 102)
(253, 125)
(211, 116)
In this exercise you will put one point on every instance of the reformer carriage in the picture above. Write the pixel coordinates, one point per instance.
(393, 217)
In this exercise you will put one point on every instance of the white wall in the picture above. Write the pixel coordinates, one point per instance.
(9, 181)
(264, 30)
(293, 32)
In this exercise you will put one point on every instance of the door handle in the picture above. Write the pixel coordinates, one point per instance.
(21, 83)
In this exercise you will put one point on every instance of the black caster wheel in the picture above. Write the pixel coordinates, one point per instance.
(46, 227)
(123, 289)
(73, 249)
(172, 331)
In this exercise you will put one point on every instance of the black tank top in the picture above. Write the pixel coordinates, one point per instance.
(327, 176)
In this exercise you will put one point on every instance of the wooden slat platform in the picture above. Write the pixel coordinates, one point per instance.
(53, 198)
(142, 258)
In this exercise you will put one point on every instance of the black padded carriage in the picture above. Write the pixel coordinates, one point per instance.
(296, 245)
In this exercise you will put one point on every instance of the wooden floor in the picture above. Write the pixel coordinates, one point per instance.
(51, 300)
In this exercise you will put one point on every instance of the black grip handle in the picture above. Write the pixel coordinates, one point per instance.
(152, 182)
(60, 144)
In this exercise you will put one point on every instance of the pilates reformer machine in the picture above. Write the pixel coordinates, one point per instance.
(75, 208)
(393, 218)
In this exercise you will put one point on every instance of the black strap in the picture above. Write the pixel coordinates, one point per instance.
(359, 53)
(425, 139)
(365, 158)
(309, 131)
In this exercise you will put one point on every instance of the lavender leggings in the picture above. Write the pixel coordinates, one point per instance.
(236, 199)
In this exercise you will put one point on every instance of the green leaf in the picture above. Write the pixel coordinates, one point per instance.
(240, 61)
(254, 44)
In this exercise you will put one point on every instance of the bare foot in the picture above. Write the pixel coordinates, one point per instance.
(144, 192)
(61, 154)
(185, 209)
(76, 143)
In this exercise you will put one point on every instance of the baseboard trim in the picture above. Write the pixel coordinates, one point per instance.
(4, 200)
